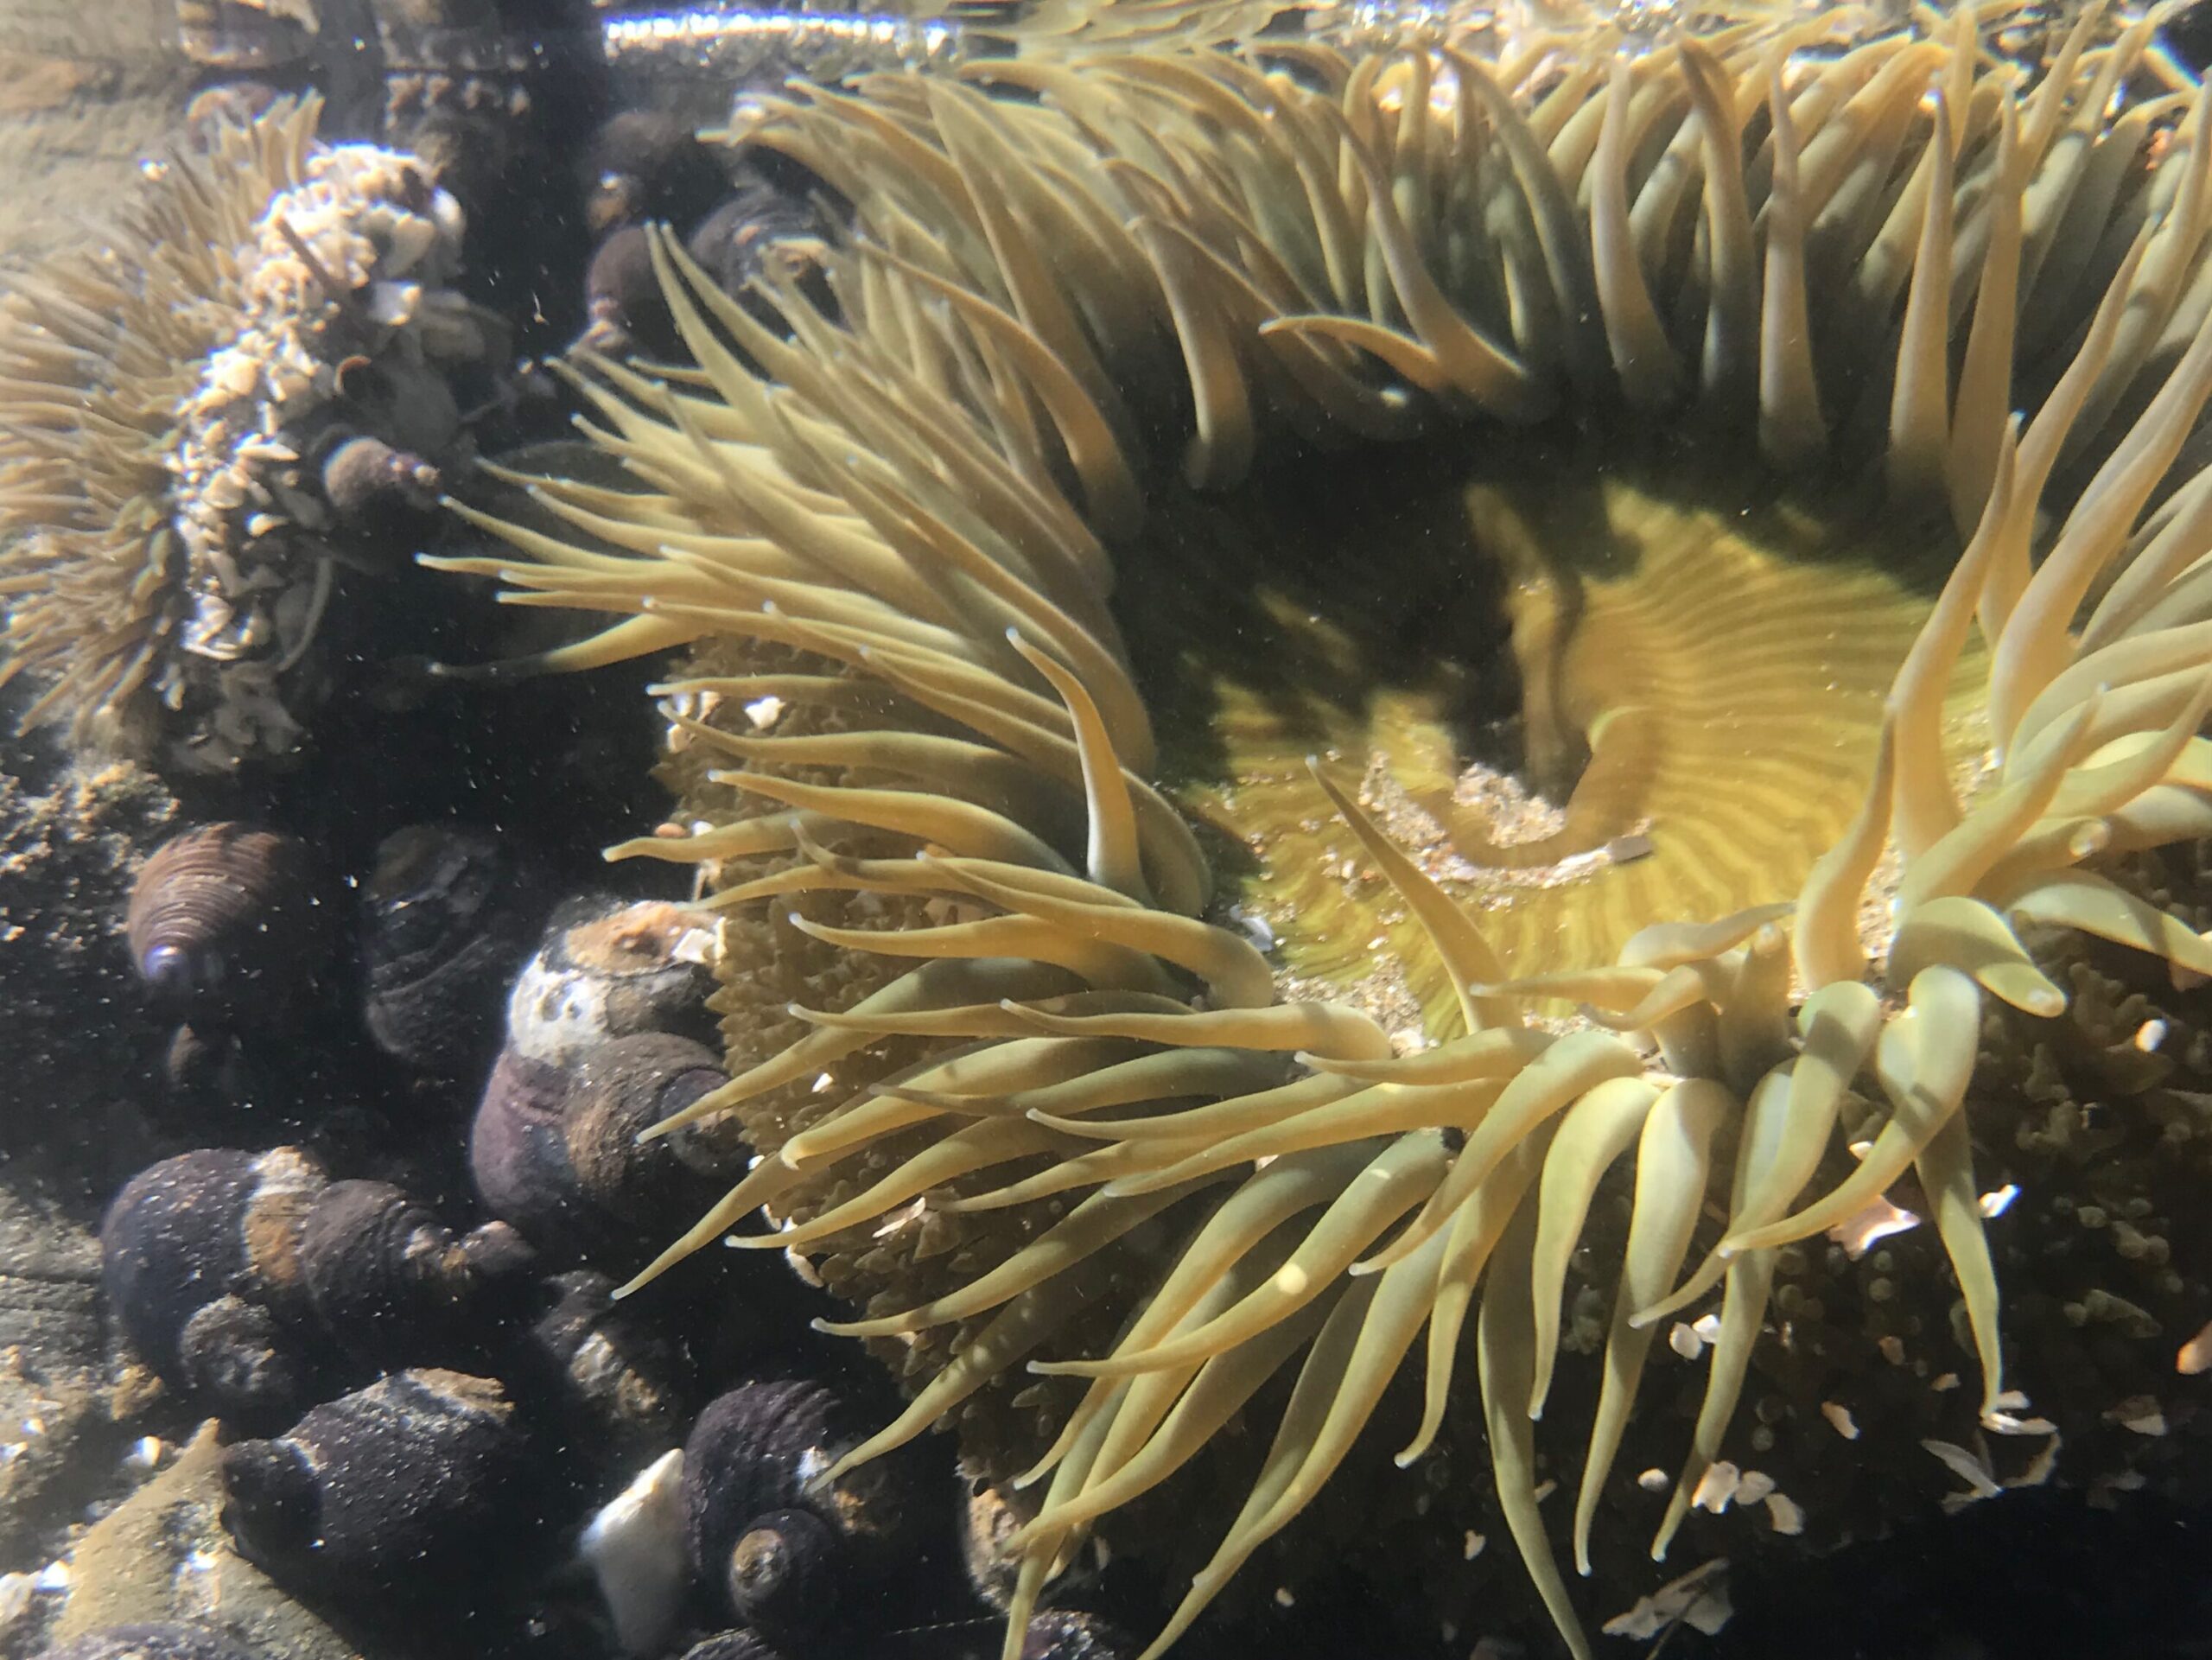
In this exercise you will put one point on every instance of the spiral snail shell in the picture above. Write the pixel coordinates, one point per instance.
(554, 1151)
(225, 920)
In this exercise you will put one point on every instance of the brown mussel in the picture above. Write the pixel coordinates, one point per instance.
(446, 914)
(414, 1489)
(200, 1259)
(226, 922)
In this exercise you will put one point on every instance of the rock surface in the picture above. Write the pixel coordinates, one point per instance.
(162, 1555)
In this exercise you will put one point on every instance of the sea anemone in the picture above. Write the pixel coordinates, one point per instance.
(165, 400)
(1655, 408)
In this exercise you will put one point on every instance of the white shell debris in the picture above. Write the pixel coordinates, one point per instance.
(1787, 1515)
(1699, 1600)
(145, 1455)
(1860, 1234)
(1840, 1419)
(2140, 1414)
(2004, 1417)
(1688, 1341)
(1993, 1205)
(2195, 1355)
(1970, 1466)
(1716, 1488)
(1974, 1467)
(634, 1547)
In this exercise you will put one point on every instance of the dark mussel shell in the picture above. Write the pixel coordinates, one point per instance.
(391, 1283)
(227, 921)
(200, 1255)
(169, 1640)
(446, 915)
(415, 1488)
(555, 1150)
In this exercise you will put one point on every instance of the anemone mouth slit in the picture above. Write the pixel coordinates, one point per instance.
(1484, 628)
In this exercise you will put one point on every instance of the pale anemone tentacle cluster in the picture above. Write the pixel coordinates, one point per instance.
(916, 500)
(167, 397)
(96, 361)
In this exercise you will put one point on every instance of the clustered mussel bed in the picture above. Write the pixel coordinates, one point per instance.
(356, 1130)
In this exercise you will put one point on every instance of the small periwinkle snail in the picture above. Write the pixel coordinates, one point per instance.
(446, 914)
(782, 1549)
(366, 482)
(414, 1488)
(225, 922)
(555, 1150)
(200, 1255)
(624, 309)
(237, 1276)
(783, 1574)
(391, 1283)
(645, 164)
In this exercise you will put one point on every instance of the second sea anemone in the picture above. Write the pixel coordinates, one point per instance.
(167, 399)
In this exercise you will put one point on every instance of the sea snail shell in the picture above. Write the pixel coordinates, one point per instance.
(225, 919)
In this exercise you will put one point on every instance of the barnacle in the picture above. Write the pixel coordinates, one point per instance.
(1715, 349)
(162, 551)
